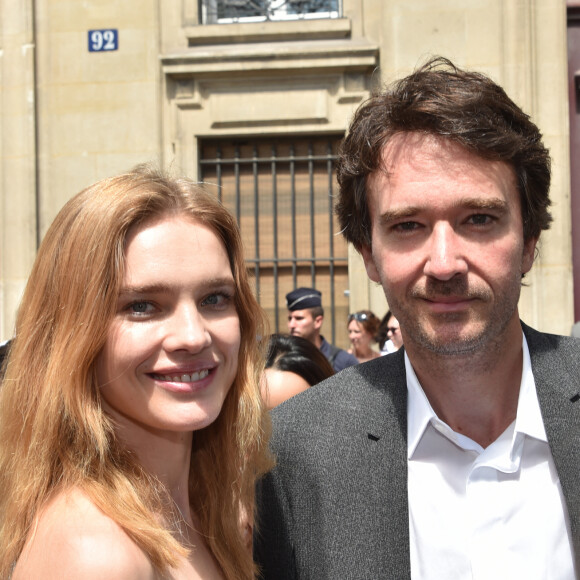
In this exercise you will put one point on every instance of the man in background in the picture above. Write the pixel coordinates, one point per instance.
(305, 317)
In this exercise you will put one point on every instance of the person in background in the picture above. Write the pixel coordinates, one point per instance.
(293, 364)
(389, 335)
(4, 352)
(362, 329)
(305, 317)
(132, 426)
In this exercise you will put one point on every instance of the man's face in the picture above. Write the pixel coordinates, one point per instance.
(302, 323)
(447, 243)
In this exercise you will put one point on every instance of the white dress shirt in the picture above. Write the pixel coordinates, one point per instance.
(487, 514)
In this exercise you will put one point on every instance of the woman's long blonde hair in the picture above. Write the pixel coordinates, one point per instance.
(54, 434)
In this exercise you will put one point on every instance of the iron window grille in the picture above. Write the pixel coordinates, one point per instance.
(282, 194)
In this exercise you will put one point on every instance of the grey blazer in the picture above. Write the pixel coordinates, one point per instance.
(335, 506)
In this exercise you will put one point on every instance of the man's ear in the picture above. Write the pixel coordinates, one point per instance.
(529, 255)
(318, 322)
(367, 256)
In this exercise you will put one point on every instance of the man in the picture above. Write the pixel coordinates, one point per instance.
(305, 317)
(457, 456)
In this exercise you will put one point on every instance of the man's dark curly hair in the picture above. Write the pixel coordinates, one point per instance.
(465, 107)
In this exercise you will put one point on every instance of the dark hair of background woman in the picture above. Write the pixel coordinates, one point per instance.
(297, 355)
(382, 333)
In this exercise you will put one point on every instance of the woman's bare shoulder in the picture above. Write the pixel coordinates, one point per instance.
(72, 538)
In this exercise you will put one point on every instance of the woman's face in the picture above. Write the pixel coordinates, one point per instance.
(358, 336)
(394, 332)
(172, 350)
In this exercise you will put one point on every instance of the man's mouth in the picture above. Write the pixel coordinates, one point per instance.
(448, 299)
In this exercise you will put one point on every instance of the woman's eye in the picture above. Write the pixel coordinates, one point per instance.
(217, 299)
(140, 308)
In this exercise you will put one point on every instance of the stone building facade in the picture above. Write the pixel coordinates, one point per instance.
(255, 106)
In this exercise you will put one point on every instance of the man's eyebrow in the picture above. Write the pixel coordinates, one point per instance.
(472, 203)
(392, 215)
(492, 204)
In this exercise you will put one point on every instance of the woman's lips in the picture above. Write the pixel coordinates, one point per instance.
(181, 377)
(184, 381)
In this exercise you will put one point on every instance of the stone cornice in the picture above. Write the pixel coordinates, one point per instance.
(305, 55)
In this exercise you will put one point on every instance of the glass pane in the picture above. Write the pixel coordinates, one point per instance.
(223, 11)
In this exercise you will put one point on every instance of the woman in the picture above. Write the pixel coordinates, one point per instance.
(131, 423)
(293, 364)
(362, 327)
(389, 334)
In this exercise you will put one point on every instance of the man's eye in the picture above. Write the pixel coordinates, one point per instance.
(407, 226)
(480, 219)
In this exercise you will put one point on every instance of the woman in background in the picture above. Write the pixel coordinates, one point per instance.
(362, 328)
(389, 334)
(293, 364)
(4, 351)
(131, 423)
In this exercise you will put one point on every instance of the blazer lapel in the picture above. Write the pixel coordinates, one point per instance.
(384, 426)
(556, 367)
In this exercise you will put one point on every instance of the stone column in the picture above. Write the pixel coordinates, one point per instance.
(18, 205)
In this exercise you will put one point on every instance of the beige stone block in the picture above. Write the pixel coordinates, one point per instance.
(89, 98)
(68, 60)
(68, 175)
(420, 33)
(358, 281)
(17, 134)
(547, 303)
(61, 178)
(363, 293)
(377, 301)
(17, 112)
(551, 100)
(72, 15)
(117, 163)
(106, 117)
(11, 292)
(555, 244)
(483, 35)
(16, 23)
(283, 104)
(18, 232)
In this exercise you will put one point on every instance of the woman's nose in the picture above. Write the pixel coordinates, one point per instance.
(186, 329)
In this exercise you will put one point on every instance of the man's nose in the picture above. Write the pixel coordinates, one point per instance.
(445, 253)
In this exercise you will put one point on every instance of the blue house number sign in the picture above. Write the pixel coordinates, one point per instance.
(103, 40)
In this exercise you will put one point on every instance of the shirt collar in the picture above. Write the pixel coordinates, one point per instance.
(420, 413)
(529, 416)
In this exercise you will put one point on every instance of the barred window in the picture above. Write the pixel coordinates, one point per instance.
(282, 194)
(228, 11)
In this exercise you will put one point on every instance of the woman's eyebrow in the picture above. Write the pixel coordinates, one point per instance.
(145, 289)
(162, 287)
